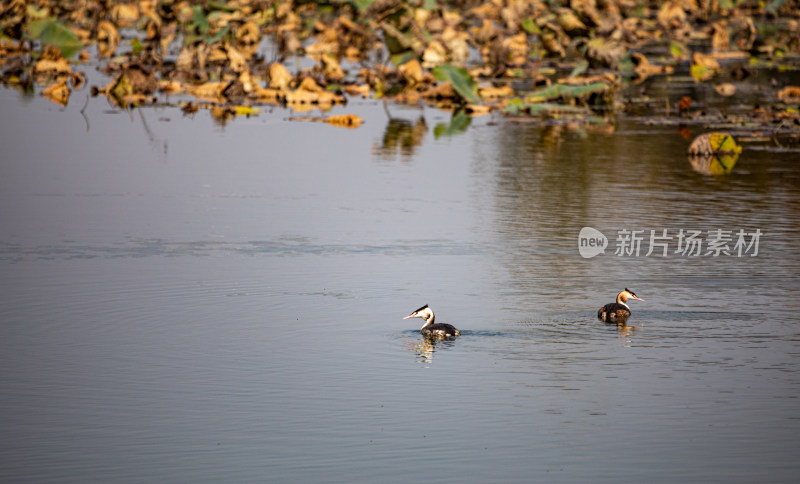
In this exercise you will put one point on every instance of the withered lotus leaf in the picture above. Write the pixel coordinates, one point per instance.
(51, 67)
(125, 14)
(345, 120)
(279, 77)
(107, 38)
(57, 92)
(209, 90)
(184, 45)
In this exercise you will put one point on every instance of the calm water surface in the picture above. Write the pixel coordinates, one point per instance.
(188, 302)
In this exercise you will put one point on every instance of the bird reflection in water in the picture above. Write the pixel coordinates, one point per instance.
(401, 137)
(625, 333)
(426, 346)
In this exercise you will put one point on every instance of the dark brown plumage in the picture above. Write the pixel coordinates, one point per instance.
(617, 312)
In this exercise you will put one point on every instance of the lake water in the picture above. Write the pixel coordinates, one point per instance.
(188, 302)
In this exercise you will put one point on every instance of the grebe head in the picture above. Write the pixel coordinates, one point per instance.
(424, 312)
(627, 294)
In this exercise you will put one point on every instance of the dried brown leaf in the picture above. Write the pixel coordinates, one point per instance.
(345, 120)
(789, 93)
(125, 15)
(411, 72)
(107, 38)
(51, 67)
(361, 90)
(209, 90)
(279, 77)
(57, 92)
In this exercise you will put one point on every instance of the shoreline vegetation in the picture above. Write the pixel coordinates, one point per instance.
(576, 61)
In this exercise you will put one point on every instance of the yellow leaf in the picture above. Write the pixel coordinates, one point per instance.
(246, 110)
(724, 143)
(704, 67)
(411, 72)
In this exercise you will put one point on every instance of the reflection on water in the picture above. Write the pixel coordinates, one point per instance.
(226, 309)
(401, 137)
(425, 347)
(713, 165)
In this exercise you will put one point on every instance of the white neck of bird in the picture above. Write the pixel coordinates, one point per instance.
(429, 317)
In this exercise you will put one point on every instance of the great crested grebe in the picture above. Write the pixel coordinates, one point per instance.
(430, 329)
(618, 312)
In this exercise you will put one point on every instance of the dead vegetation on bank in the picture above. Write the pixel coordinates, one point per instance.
(553, 59)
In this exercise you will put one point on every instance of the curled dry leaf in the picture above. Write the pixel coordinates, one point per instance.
(308, 84)
(644, 69)
(279, 77)
(604, 53)
(209, 90)
(360, 90)
(77, 79)
(170, 87)
(331, 68)
(517, 49)
(411, 72)
(57, 92)
(51, 67)
(434, 55)
(345, 120)
(311, 93)
(672, 16)
(247, 35)
(570, 22)
(704, 67)
(125, 15)
(236, 61)
(107, 39)
(720, 38)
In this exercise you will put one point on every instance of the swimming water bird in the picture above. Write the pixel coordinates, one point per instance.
(429, 328)
(618, 312)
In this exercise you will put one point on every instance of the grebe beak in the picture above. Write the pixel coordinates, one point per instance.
(409, 316)
(636, 297)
